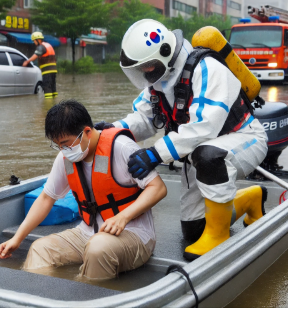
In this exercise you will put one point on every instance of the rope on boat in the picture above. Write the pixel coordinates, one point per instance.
(173, 268)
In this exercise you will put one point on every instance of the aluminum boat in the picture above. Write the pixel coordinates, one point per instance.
(218, 276)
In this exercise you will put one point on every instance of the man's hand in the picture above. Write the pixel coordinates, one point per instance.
(142, 162)
(25, 63)
(115, 225)
(103, 125)
(153, 193)
(37, 213)
(6, 248)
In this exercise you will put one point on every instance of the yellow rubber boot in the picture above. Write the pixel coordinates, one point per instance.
(217, 229)
(218, 218)
(250, 200)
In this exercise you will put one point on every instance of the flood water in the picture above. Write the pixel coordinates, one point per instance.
(25, 152)
(270, 290)
(127, 281)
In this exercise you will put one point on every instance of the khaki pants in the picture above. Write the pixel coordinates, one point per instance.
(102, 256)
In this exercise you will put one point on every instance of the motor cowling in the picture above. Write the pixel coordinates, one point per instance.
(274, 118)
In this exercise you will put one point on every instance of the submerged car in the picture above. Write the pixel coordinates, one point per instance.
(16, 79)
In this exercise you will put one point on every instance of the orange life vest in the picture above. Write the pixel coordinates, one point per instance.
(47, 62)
(110, 196)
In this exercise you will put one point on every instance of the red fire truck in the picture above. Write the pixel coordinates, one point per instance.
(263, 47)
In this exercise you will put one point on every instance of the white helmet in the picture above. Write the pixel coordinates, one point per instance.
(148, 52)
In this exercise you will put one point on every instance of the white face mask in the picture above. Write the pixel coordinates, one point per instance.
(75, 154)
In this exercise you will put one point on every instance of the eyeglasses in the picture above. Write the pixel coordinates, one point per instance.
(54, 146)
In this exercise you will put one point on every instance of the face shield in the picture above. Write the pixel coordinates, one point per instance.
(145, 74)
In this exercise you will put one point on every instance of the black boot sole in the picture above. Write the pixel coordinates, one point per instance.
(264, 198)
(190, 256)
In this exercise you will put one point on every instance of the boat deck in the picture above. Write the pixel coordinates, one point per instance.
(170, 243)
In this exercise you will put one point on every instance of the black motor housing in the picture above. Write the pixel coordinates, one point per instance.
(274, 118)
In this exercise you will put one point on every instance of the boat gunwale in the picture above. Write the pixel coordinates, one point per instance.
(200, 268)
(24, 186)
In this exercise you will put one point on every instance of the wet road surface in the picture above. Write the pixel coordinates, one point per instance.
(25, 152)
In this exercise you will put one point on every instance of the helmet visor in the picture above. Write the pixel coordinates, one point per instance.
(145, 74)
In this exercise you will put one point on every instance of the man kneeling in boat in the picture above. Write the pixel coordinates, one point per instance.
(117, 232)
(209, 125)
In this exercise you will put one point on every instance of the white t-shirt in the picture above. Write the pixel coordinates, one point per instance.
(57, 187)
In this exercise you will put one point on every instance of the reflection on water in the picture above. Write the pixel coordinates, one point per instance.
(127, 281)
(270, 290)
(272, 94)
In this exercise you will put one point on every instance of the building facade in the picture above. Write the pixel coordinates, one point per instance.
(232, 8)
(18, 23)
(18, 18)
(16, 29)
(17, 26)
(158, 4)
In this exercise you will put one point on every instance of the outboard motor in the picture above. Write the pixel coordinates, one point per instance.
(274, 118)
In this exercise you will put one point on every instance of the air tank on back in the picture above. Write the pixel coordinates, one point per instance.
(211, 37)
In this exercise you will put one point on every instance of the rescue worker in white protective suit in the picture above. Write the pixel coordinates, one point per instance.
(206, 121)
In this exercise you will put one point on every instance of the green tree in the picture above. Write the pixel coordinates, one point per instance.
(5, 5)
(70, 18)
(134, 10)
(191, 25)
(128, 14)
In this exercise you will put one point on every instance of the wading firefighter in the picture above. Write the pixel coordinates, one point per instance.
(47, 63)
(208, 124)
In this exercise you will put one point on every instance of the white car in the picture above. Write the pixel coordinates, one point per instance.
(15, 79)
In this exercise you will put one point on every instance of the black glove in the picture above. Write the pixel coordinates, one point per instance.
(142, 162)
(103, 125)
